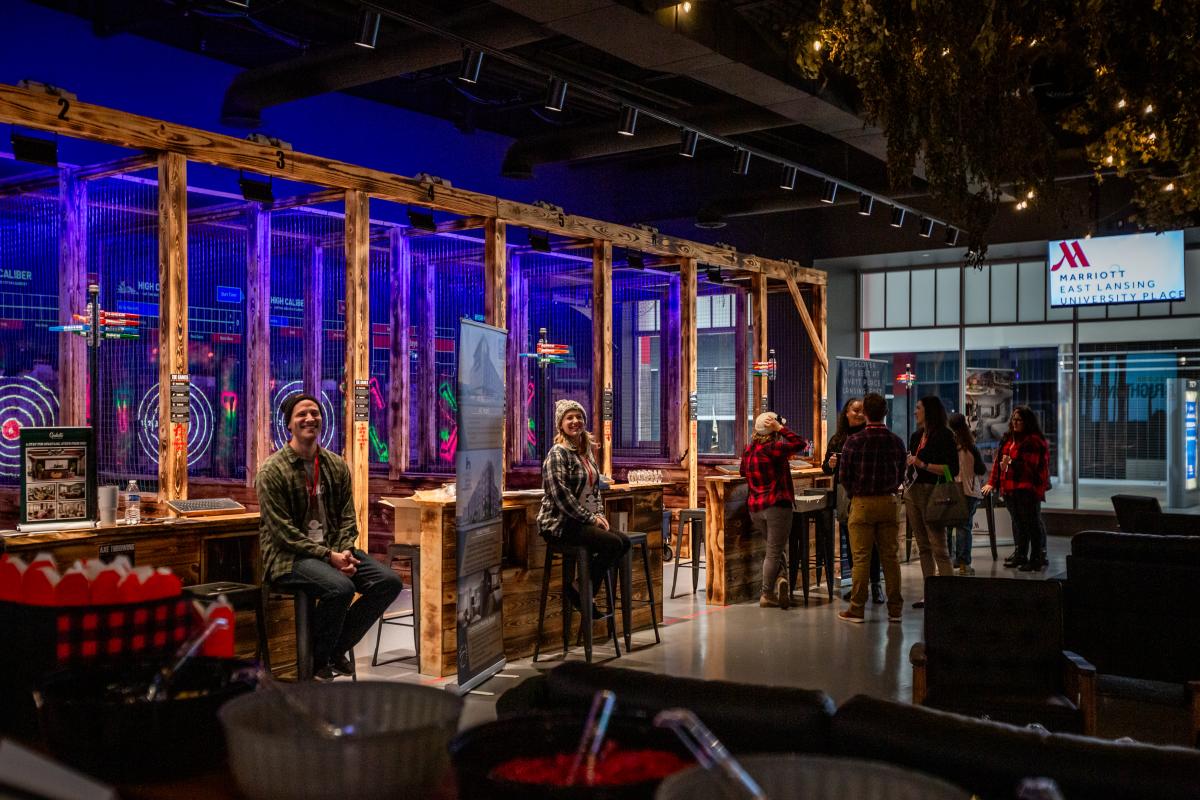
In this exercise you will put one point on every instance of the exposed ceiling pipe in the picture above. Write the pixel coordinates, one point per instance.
(602, 139)
(347, 66)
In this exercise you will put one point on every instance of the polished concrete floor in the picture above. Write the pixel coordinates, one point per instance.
(803, 647)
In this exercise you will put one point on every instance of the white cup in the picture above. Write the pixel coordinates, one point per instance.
(106, 501)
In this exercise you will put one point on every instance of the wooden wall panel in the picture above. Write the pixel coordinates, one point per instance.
(820, 375)
(172, 321)
(758, 304)
(687, 362)
(258, 339)
(357, 375)
(602, 348)
(72, 297)
(399, 359)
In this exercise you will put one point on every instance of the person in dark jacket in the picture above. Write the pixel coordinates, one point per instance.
(931, 450)
(771, 499)
(849, 422)
(1021, 473)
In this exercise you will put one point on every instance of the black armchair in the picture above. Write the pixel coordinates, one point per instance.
(994, 648)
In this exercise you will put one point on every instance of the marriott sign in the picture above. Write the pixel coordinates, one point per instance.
(1140, 268)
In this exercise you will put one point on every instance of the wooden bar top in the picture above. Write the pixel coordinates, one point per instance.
(512, 499)
(15, 540)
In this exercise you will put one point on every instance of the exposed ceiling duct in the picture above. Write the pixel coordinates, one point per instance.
(347, 66)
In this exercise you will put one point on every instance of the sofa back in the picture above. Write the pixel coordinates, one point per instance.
(1130, 604)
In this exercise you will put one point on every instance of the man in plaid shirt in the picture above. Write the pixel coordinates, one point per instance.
(871, 468)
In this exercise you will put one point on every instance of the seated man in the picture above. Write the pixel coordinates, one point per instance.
(307, 537)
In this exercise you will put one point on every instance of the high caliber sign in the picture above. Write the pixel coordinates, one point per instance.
(1141, 268)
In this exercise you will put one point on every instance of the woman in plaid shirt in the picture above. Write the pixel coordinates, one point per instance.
(1021, 472)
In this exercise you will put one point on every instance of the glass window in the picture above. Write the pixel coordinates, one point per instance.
(977, 296)
(947, 295)
(1004, 292)
(639, 297)
(923, 290)
(1191, 275)
(716, 367)
(897, 299)
(873, 300)
(1031, 305)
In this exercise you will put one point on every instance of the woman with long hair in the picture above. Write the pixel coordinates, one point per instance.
(850, 421)
(771, 498)
(970, 476)
(1021, 473)
(931, 451)
(572, 510)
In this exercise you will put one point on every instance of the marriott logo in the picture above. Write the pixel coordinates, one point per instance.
(1072, 255)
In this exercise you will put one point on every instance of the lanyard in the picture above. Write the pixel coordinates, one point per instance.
(315, 487)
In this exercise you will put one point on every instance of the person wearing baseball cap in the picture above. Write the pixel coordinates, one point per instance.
(771, 498)
(307, 537)
(572, 511)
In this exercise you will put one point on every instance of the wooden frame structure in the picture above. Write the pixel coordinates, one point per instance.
(171, 146)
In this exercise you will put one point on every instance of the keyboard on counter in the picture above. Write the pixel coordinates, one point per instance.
(205, 506)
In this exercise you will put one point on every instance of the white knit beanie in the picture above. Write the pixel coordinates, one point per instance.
(560, 410)
(760, 422)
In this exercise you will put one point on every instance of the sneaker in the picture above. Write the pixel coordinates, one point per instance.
(1015, 560)
(877, 594)
(324, 674)
(849, 616)
(895, 618)
(920, 603)
(783, 592)
(766, 601)
(966, 569)
(341, 665)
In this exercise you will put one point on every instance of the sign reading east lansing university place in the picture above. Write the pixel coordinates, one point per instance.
(1139, 268)
(55, 485)
(479, 468)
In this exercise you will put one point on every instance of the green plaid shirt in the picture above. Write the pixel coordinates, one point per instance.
(282, 487)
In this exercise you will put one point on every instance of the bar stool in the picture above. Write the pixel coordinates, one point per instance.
(243, 597)
(668, 552)
(627, 601)
(304, 604)
(411, 553)
(694, 519)
(989, 505)
(574, 559)
(798, 547)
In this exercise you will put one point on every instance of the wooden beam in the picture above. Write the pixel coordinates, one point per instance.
(814, 338)
(687, 363)
(758, 303)
(820, 375)
(313, 286)
(742, 385)
(517, 419)
(355, 427)
(674, 422)
(258, 339)
(172, 322)
(399, 358)
(425, 285)
(602, 349)
(495, 266)
(49, 178)
(72, 298)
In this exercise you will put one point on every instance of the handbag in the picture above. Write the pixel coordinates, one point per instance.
(947, 504)
(843, 504)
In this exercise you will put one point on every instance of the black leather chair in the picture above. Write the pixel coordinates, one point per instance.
(994, 647)
(747, 719)
(990, 758)
(1131, 610)
(1137, 514)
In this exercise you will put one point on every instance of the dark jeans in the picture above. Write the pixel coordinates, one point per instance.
(959, 539)
(338, 625)
(606, 547)
(1029, 530)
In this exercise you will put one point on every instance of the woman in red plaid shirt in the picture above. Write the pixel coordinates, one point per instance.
(1021, 472)
(771, 497)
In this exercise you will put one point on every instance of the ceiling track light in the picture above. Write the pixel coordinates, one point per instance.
(787, 177)
(629, 119)
(539, 241)
(256, 190)
(951, 236)
(714, 275)
(897, 217)
(688, 139)
(368, 28)
(556, 93)
(926, 228)
(866, 204)
(422, 219)
(741, 164)
(635, 260)
(829, 193)
(472, 61)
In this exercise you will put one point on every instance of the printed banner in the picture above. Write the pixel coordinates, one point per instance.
(858, 377)
(55, 482)
(479, 465)
(1138, 268)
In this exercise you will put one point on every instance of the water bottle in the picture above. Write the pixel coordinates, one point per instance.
(133, 504)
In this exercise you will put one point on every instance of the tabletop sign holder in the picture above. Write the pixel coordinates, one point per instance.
(97, 325)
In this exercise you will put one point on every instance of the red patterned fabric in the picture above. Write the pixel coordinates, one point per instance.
(1028, 466)
(767, 472)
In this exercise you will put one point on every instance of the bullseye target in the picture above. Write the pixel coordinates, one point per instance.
(328, 416)
(25, 402)
(200, 424)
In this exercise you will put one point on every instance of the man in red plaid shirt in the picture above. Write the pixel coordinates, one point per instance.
(771, 497)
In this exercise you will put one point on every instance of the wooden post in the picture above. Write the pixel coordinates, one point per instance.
(820, 375)
(742, 385)
(495, 298)
(424, 274)
(258, 339)
(517, 420)
(400, 358)
(357, 375)
(314, 320)
(172, 322)
(674, 405)
(687, 365)
(72, 298)
(602, 349)
(758, 298)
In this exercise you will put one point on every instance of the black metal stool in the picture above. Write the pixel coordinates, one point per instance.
(694, 519)
(243, 597)
(668, 552)
(798, 547)
(411, 553)
(304, 605)
(627, 601)
(574, 559)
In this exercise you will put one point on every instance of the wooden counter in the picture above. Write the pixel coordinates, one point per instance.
(733, 554)
(198, 550)
(430, 522)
